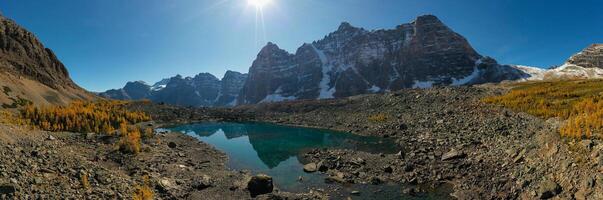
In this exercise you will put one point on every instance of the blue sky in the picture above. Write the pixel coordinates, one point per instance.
(105, 43)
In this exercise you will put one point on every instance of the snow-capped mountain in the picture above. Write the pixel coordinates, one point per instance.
(352, 61)
(202, 90)
(583, 65)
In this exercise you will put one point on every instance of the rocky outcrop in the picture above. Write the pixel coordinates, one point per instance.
(591, 57)
(202, 90)
(30, 72)
(21, 53)
(353, 61)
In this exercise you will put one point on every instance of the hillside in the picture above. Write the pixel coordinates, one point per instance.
(30, 72)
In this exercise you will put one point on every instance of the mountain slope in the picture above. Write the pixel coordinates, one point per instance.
(32, 72)
(353, 61)
(585, 64)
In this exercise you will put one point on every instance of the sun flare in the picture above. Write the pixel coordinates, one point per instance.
(258, 3)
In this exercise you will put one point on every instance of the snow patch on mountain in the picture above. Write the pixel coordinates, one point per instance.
(277, 98)
(374, 89)
(422, 84)
(466, 80)
(534, 73)
(325, 91)
(575, 71)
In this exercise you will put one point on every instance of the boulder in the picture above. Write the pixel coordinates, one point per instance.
(548, 189)
(7, 189)
(260, 184)
(164, 185)
(203, 182)
(172, 145)
(322, 166)
(388, 169)
(310, 167)
(453, 154)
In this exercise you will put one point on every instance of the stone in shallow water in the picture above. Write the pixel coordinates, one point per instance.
(310, 167)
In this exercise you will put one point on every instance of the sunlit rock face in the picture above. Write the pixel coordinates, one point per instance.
(21, 53)
(352, 61)
(591, 57)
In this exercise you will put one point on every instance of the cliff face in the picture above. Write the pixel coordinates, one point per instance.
(21, 53)
(591, 57)
(31, 71)
(230, 87)
(352, 61)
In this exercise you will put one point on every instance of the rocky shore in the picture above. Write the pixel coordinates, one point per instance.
(43, 165)
(447, 139)
(448, 136)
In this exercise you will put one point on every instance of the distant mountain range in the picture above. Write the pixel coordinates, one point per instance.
(352, 61)
(202, 90)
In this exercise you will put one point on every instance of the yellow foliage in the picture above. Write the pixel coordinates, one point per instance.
(84, 181)
(148, 132)
(579, 102)
(130, 141)
(83, 117)
(7, 117)
(143, 193)
(378, 118)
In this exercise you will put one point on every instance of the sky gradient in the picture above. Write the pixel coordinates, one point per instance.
(105, 43)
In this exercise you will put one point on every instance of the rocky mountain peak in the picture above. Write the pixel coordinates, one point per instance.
(205, 76)
(352, 61)
(346, 26)
(136, 83)
(427, 19)
(23, 54)
(270, 52)
(591, 57)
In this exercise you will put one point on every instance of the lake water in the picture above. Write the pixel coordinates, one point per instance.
(277, 151)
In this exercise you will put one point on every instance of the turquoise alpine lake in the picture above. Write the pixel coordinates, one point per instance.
(278, 151)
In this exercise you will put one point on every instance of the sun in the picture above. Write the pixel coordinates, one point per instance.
(258, 3)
